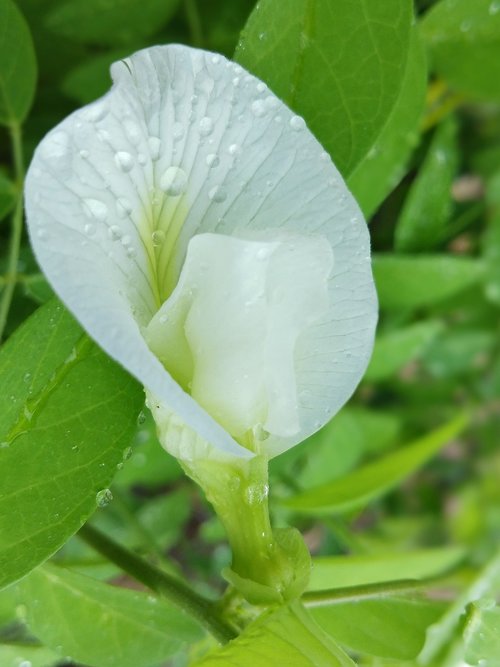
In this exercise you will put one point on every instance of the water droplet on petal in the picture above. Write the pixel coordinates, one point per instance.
(217, 194)
(297, 123)
(132, 131)
(123, 207)
(103, 497)
(154, 144)
(258, 108)
(212, 160)
(96, 112)
(206, 126)
(215, 60)
(158, 238)
(124, 161)
(174, 181)
(84, 154)
(234, 149)
(115, 233)
(95, 209)
(89, 229)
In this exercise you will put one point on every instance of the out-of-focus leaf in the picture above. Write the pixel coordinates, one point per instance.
(482, 634)
(428, 206)
(91, 78)
(67, 412)
(37, 288)
(395, 349)
(463, 38)
(385, 164)
(8, 196)
(387, 627)
(358, 570)
(102, 625)
(357, 489)
(340, 65)
(337, 447)
(283, 637)
(491, 240)
(460, 352)
(109, 23)
(412, 282)
(17, 65)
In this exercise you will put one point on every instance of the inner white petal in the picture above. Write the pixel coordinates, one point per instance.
(228, 332)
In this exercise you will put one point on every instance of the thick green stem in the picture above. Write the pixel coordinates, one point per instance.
(357, 593)
(16, 228)
(174, 590)
(267, 567)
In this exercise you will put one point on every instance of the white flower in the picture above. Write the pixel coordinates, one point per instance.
(200, 234)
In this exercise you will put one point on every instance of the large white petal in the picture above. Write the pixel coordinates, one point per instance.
(188, 142)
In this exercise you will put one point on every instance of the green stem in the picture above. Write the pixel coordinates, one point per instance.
(174, 590)
(194, 22)
(357, 593)
(16, 228)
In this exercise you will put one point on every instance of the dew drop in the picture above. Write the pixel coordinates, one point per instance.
(154, 144)
(131, 252)
(127, 452)
(84, 154)
(255, 494)
(123, 207)
(271, 102)
(95, 209)
(163, 319)
(26, 377)
(206, 126)
(89, 229)
(297, 123)
(141, 418)
(215, 60)
(115, 233)
(217, 194)
(96, 112)
(234, 149)
(103, 497)
(132, 131)
(124, 161)
(236, 81)
(212, 160)
(174, 181)
(261, 87)
(158, 238)
(258, 108)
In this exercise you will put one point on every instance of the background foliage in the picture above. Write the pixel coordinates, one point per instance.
(403, 483)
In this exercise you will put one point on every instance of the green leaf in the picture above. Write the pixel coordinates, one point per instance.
(460, 353)
(283, 637)
(463, 38)
(487, 580)
(358, 570)
(29, 655)
(412, 282)
(91, 78)
(428, 206)
(338, 63)
(8, 196)
(102, 625)
(388, 627)
(337, 447)
(109, 23)
(357, 489)
(17, 65)
(482, 634)
(385, 163)
(67, 412)
(396, 348)
(491, 240)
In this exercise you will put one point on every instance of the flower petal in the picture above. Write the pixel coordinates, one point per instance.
(187, 142)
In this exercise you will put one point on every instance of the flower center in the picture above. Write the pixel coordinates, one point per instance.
(228, 332)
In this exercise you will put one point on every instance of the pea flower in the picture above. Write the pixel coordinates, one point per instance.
(201, 235)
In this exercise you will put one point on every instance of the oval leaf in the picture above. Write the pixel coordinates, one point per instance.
(67, 412)
(17, 65)
(102, 625)
(314, 54)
